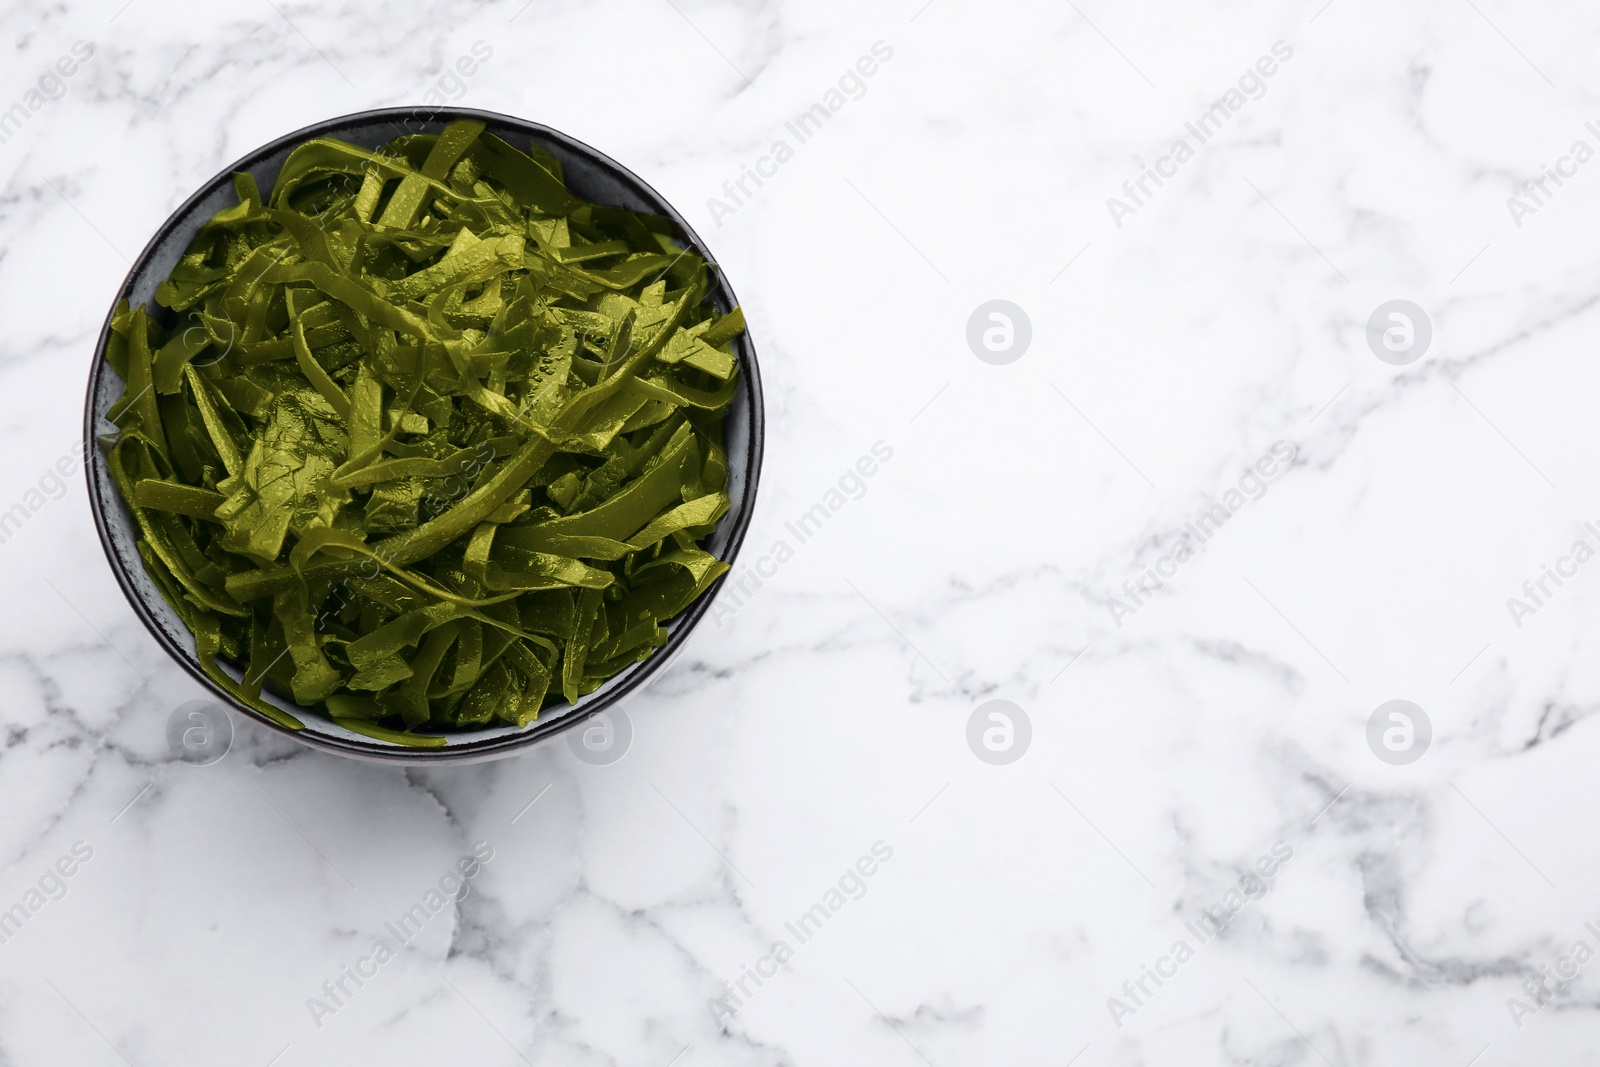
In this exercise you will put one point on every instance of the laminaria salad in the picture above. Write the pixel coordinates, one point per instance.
(426, 443)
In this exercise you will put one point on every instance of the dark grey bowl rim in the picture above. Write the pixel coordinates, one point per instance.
(632, 678)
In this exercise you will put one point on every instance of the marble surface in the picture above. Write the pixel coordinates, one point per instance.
(1197, 691)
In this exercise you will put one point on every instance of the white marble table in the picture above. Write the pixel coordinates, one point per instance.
(1183, 737)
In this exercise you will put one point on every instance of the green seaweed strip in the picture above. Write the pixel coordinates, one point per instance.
(394, 737)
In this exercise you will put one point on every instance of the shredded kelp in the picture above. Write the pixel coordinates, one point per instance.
(429, 442)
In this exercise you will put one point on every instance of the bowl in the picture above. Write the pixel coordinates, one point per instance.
(591, 175)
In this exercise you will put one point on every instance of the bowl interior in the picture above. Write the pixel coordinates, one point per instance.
(589, 175)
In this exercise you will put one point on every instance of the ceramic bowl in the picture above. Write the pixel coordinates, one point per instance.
(590, 175)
